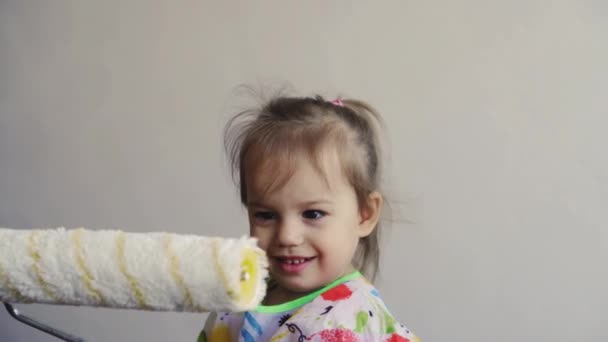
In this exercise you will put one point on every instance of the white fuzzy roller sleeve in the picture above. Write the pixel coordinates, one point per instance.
(146, 271)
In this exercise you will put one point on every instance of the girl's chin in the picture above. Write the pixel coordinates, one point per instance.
(297, 286)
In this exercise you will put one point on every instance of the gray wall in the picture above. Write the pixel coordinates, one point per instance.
(111, 116)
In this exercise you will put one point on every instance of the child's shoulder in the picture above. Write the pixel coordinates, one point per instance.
(351, 311)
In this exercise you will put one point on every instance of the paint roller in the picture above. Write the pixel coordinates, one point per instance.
(143, 271)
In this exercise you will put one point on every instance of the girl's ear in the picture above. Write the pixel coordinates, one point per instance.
(369, 214)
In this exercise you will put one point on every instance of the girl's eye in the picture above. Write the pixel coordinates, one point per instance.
(264, 215)
(313, 214)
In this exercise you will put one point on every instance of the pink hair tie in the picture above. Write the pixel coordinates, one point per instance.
(338, 102)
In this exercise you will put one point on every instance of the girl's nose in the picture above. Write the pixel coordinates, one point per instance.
(290, 233)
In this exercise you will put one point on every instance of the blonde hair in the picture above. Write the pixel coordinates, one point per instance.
(284, 127)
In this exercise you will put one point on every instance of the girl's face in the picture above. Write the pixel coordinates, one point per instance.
(309, 227)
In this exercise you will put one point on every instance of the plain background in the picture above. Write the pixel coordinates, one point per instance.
(111, 115)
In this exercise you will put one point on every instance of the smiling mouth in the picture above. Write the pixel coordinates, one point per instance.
(292, 265)
(293, 260)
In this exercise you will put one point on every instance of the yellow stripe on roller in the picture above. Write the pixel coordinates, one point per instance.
(218, 267)
(122, 265)
(13, 292)
(35, 255)
(249, 267)
(177, 276)
(85, 274)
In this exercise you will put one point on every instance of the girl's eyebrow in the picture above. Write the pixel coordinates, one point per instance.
(317, 202)
(306, 204)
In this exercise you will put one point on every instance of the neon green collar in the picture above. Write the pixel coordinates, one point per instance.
(296, 303)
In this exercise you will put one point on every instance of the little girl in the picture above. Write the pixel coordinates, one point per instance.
(309, 175)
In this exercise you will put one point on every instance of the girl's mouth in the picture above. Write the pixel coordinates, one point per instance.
(293, 264)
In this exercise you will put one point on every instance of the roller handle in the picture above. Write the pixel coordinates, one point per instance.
(41, 326)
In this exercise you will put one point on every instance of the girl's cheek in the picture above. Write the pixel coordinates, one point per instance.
(263, 239)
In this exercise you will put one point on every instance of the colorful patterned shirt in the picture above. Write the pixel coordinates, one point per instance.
(349, 309)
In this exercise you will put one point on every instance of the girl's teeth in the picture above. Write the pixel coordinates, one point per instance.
(295, 261)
